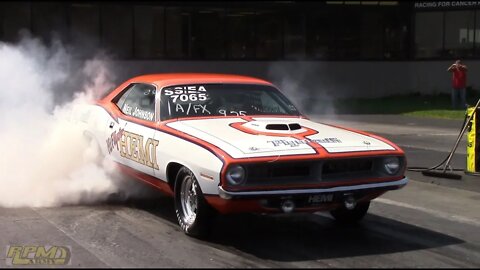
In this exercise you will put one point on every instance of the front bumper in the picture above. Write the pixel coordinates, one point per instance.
(292, 192)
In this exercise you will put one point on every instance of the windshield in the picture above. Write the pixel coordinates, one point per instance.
(223, 100)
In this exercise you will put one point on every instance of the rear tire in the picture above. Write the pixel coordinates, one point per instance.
(194, 214)
(343, 215)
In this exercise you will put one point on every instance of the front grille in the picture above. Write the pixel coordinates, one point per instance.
(331, 167)
(289, 171)
(278, 173)
(314, 171)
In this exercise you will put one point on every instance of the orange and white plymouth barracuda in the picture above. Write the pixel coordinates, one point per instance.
(228, 144)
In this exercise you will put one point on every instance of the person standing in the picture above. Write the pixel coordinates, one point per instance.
(459, 82)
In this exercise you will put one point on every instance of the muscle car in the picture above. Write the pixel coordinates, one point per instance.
(221, 144)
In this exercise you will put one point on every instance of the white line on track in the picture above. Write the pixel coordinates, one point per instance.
(436, 213)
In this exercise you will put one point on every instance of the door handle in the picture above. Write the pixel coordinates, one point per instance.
(111, 125)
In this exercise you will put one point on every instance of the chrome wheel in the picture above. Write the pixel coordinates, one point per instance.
(189, 199)
(194, 214)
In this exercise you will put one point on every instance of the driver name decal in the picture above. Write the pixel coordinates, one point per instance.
(138, 113)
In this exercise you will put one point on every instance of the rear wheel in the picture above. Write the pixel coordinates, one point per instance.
(345, 215)
(193, 212)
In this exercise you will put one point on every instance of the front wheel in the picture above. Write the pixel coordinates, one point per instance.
(193, 212)
(345, 215)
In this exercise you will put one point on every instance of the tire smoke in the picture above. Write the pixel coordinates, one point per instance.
(44, 160)
(305, 85)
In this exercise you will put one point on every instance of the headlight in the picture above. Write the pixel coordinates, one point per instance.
(236, 175)
(391, 165)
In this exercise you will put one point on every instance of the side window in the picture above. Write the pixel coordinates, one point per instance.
(120, 99)
(138, 100)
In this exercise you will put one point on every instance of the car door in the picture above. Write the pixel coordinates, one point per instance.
(132, 136)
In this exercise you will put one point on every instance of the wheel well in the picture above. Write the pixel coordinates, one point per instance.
(172, 171)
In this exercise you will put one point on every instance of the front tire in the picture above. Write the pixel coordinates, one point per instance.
(194, 215)
(343, 215)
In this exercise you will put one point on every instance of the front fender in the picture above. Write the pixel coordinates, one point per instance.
(205, 164)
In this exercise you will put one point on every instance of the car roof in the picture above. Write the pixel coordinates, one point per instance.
(168, 79)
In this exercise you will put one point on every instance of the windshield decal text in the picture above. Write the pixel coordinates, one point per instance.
(188, 108)
(187, 93)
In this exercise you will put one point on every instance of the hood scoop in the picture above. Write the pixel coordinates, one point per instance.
(294, 126)
(282, 127)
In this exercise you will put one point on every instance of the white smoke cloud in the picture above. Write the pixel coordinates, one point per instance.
(44, 160)
(304, 84)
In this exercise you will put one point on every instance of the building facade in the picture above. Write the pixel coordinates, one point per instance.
(338, 48)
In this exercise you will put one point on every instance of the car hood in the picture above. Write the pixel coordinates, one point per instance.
(258, 137)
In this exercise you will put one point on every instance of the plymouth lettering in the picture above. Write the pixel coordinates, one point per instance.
(295, 143)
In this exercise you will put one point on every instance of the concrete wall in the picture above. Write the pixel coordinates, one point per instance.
(324, 80)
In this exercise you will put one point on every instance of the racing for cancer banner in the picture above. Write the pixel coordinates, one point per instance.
(445, 5)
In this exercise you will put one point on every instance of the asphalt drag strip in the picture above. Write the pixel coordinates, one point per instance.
(431, 222)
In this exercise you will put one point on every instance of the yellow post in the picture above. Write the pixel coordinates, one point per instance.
(471, 158)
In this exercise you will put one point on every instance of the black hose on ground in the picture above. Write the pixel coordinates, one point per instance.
(420, 169)
(432, 170)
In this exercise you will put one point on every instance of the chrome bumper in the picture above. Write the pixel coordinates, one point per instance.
(244, 194)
